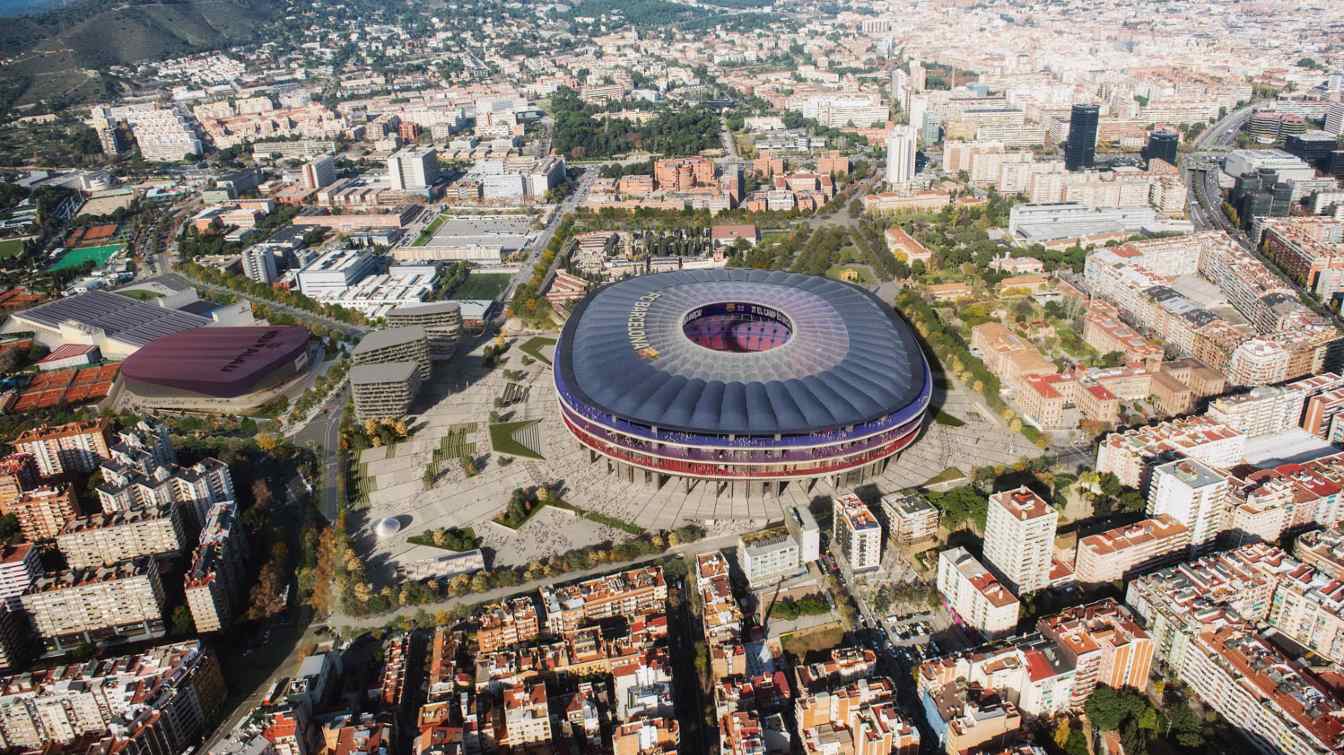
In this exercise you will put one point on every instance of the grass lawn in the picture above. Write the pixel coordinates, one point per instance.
(943, 418)
(429, 231)
(533, 346)
(801, 643)
(851, 273)
(485, 286)
(141, 294)
(501, 439)
(947, 475)
(11, 247)
(98, 255)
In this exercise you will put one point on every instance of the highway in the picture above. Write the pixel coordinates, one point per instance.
(1201, 175)
(544, 238)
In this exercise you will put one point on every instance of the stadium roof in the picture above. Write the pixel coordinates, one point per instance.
(849, 358)
(220, 362)
(120, 317)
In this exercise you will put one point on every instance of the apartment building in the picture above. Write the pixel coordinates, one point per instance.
(441, 321)
(127, 487)
(1322, 550)
(1280, 704)
(1104, 331)
(1126, 551)
(216, 580)
(1175, 604)
(104, 539)
(505, 624)
(19, 566)
(124, 601)
(721, 618)
(164, 135)
(43, 511)
(18, 472)
(633, 594)
(1324, 399)
(768, 556)
(1310, 249)
(910, 518)
(1104, 644)
(1020, 539)
(523, 717)
(1133, 454)
(1193, 494)
(647, 736)
(394, 345)
(1264, 410)
(861, 717)
(974, 594)
(160, 700)
(384, 391)
(856, 534)
(75, 447)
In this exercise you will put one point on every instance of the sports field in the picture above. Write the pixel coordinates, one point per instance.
(11, 247)
(98, 255)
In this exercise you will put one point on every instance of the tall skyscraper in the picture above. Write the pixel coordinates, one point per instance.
(1162, 145)
(900, 156)
(1334, 118)
(900, 89)
(919, 106)
(918, 76)
(1081, 149)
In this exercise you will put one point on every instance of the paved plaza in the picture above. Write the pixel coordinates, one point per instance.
(463, 393)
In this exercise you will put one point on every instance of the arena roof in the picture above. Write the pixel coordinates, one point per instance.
(220, 362)
(848, 358)
(120, 317)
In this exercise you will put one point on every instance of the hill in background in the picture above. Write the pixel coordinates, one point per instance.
(55, 54)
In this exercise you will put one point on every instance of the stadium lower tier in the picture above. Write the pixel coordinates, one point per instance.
(743, 464)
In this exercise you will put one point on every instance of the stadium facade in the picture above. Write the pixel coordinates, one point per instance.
(746, 378)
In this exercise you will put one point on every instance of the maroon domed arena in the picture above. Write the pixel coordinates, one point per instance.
(748, 378)
(227, 370)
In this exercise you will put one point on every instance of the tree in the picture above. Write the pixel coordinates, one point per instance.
(183, 624)
(10, 532)
(267, 442)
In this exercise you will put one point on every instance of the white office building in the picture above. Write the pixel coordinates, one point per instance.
(319, 173)
(259, 264)
(335, 271)
(900, 156)
(413, 170)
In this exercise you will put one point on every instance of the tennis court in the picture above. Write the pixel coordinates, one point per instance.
(98, 255)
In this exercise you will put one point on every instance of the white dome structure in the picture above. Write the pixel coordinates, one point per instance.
(387, 527)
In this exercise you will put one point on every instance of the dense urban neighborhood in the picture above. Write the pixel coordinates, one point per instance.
(671, 376)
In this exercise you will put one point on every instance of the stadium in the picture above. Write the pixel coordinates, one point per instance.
(217, 369)
(749, 378)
